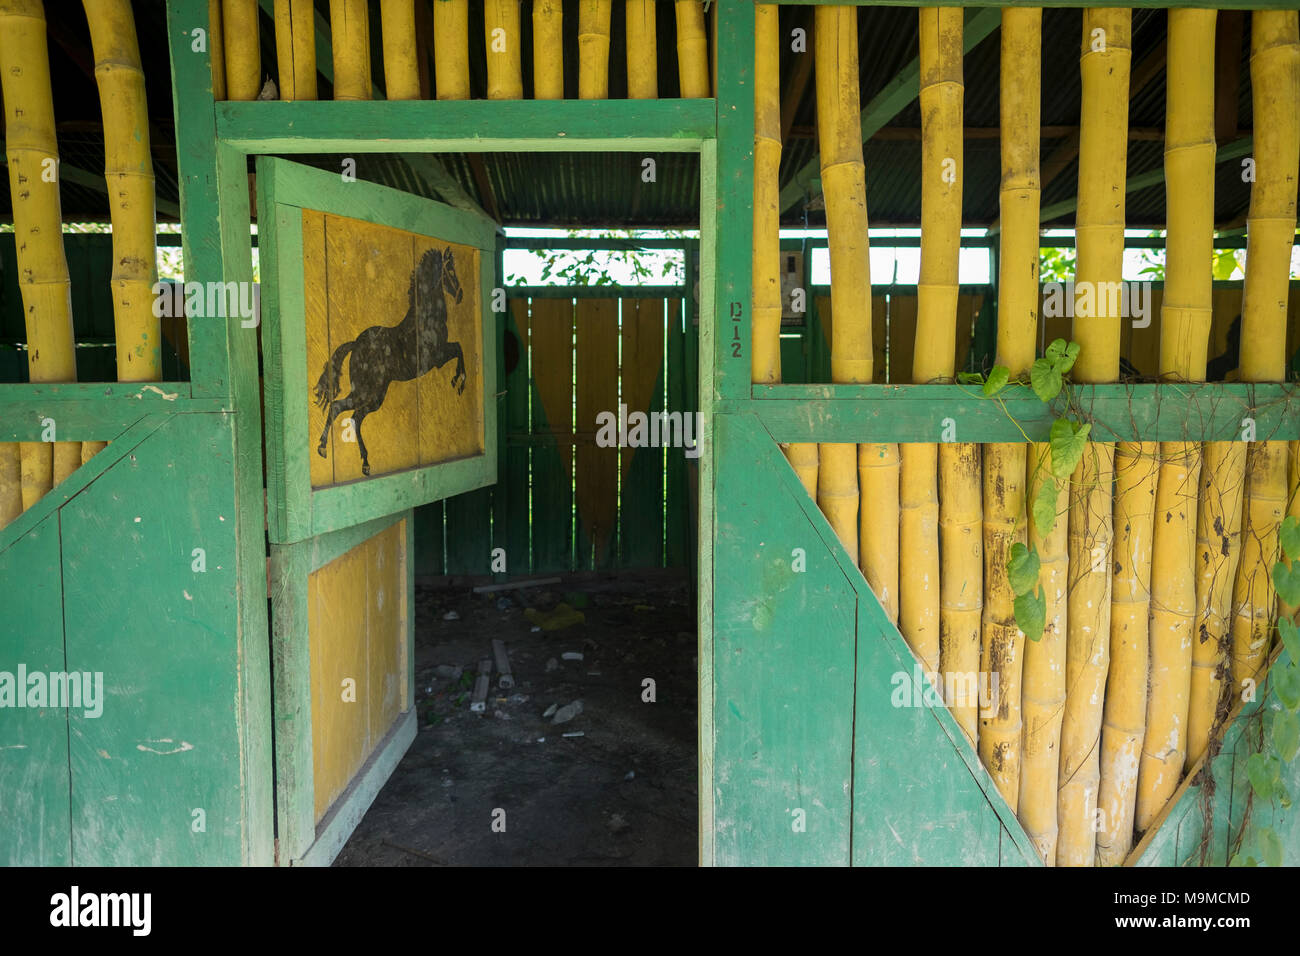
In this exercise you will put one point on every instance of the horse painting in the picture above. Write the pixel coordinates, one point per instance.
(384, 354)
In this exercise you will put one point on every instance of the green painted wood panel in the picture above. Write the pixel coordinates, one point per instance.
(427, 528)
(469, 532)
(165, 638)
(34, 785)
(783, 669)
(814, 691)
(512, 479)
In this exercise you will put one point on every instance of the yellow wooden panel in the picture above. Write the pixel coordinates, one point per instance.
(968, 307)
(368, 277)
(451, 393)
(597, 468)
(318, 332)
(336, 627)
(550, 341)
(642, 359)
(394, 347)
(386, 629)
(902, 338)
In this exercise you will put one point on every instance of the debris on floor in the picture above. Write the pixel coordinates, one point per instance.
(555, 620)
(617, 787)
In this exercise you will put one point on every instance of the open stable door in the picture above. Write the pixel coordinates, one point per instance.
(379, 387)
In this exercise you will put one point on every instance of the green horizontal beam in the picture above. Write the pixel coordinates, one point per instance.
(466, 126)
(929, 413)
(892, 99)
(90, 411)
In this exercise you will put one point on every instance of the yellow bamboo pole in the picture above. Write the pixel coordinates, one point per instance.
(239, 30)
(692, 50)
(350, 32)
(1125, 710)
(643, 54)
(1218, 548)
(936, 324)
(765, 358)
(548, 50)
(33, 157)
(451, 49)
(401, 57)
(1001, 641)
(844, 185)
(502, 37)
(1184, 339)
(1254, 600)
(129, 172)
(216, 50)
(1043, 696)
(1104, 62)
(961, 580)
(593, 49)
(1275, 85)
(878, 472)
(295, 47)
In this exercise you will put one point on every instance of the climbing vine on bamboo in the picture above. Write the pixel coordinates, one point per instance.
(1067, 440)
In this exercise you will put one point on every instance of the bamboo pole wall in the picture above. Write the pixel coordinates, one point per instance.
(240, 33)
(1184, 341)
(401, 53)
(548, 50)
(844, 183)
(1275, 84)
(33, 157)
(295, 47)
(1002, 645)
(1104, 63)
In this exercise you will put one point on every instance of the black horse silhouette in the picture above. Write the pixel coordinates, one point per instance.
(384, 354)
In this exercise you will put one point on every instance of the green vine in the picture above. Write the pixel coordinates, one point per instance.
(1067, 441)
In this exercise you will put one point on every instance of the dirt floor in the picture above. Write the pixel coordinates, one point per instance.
(621, 794)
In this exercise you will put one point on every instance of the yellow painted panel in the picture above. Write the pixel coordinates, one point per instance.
(318, 331)
(550, 341)
(902, 337)
(597, 468)
(357, 629)
(642, 359)
(400, 362)
(386, 629)
(336, 627)
(451, 393)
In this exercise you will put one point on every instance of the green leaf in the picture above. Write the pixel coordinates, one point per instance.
(1045, 507)
(1241, 859)
(1061, 355)
(998, 379)
(1286, 682)
(1287, 581)
(1068, 442)
(1286, 734)
(1031, 614)
(1290, 537)
(971, 378)
(1263, 772)
(1270, 845)
(1022, 568)
(1290, 637)
(1045, 379)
